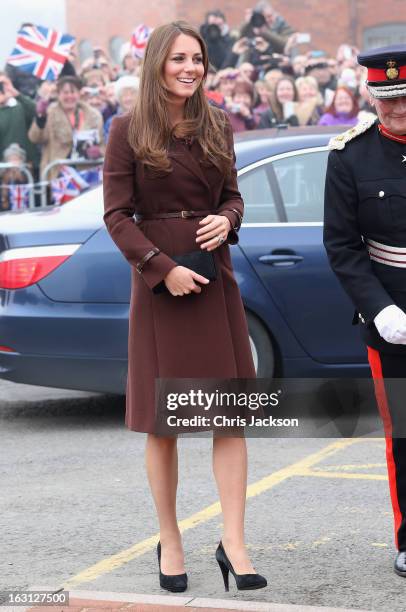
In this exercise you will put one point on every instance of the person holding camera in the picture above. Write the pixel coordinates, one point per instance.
(216, 35)
(16, 114)
(96, 91)
(223, 83)
(68, 127)
(240, 108)
(265, 22)
(256, 51)
(318, 67)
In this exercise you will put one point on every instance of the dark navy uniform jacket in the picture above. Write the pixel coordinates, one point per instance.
(365, 226)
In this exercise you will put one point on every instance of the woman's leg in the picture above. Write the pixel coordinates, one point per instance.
(230, 471)
(161, 457)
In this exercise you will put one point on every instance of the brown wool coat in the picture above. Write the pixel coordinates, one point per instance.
(192, 336)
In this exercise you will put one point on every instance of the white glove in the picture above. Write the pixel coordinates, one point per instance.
(391, 324)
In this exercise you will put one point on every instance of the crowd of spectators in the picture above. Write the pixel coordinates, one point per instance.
(264, 74)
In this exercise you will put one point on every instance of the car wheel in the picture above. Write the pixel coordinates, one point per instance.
(261, 347)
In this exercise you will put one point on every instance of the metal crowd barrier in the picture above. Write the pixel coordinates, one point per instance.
(41, 188)
(63, 162)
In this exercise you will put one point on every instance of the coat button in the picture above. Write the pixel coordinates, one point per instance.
(381, 194)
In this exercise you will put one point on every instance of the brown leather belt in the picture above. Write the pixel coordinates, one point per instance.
(184, 214)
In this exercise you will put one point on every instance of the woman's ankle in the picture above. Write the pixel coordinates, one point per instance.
(170, 538)
(233, 541)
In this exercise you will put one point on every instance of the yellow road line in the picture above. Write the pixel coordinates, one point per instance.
(349, 466)
(348, 475)
(321, 541)
(265, 484)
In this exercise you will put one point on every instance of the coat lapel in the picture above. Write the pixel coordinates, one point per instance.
(188, 158)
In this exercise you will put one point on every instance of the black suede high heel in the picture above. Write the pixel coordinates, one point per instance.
(245, 582)
(171, 582)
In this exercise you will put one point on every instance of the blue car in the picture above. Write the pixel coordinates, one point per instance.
(65, 287)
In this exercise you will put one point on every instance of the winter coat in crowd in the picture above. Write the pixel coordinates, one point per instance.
(56, 136)
(269, 119)
(240, 123)
(338, 119)
(15, 119)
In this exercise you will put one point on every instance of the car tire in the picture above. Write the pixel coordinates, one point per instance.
(261, 347)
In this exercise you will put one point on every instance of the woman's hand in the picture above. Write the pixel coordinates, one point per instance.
(245, 111)
(214, 231)
(240, 46)
(181, 281)
(248, 14)
(261, 44)
(41, 107)
(9, 88)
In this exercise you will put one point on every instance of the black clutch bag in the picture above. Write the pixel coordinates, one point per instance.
(201, 262)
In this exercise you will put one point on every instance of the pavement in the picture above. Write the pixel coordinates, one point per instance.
(92, 601)
(68, 437)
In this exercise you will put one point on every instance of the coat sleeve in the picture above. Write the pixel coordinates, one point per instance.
(39, 131)
(344, 245)
(279, 39)
(118, 190)
(28, 106)
(231, 204)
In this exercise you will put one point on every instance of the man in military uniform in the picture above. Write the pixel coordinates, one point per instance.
(365, 240)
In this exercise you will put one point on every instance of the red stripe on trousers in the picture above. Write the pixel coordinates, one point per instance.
(382, 401)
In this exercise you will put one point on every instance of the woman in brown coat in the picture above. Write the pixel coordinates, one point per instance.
(173, 154)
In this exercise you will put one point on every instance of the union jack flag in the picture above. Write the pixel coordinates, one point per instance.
(94, 176)
(58, 190)
(139, 39)
(75, 178)
(19, 196)
(68, 185)
(41, 51)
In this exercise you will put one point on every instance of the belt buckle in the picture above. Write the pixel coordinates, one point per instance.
(186, 213)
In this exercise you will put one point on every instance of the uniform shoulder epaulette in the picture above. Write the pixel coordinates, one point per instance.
(339, 141)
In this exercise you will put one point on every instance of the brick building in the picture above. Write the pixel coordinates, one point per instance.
(364, 23)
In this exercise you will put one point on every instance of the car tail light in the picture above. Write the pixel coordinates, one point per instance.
(26, 266)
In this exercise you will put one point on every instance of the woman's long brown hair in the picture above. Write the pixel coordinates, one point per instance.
(150, 130)
(275, 104)
(355, 106)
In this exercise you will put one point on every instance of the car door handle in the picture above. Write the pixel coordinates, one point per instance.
(280, 260)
